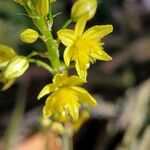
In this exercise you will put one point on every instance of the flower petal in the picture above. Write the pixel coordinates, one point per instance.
(74, 80)
(60, 79)
(46, 90)
(80, 26)
(98, 32)
(68, 54)
(81, 71)
(49, 106)
(101, 55)
(66, 106)
(74, 111)
(66, 36)
(84, 96)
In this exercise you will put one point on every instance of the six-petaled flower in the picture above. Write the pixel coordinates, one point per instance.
(84, 47)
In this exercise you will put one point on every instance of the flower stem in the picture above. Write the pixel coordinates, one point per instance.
(67, 23)
(43, 64)
(67, 139)
(51, 45)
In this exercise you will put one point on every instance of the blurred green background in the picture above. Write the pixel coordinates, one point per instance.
(121, 87)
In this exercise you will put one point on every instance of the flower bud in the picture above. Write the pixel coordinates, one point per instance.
(42, 7)
(16, 67)
(57, 127)
(19, 1)
(52, 1)
(45, 122)
(82, 8)
(29, 36)
(6, 54)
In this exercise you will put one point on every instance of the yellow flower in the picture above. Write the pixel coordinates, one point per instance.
(84, 47)
(66, 97)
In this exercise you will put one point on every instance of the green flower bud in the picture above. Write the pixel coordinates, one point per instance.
(29, 36)
(19, 1)
(52, 1)
(82, 8)
(6, 54)
(57, 128)
(42, 7)
(7, 83)
(16, 67)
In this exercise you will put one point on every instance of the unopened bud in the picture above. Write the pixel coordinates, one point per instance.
(45, 122)
(6, 54)
(52, 1)
(42, 7)
(57, 127)
(19, 1)
(16, 67)
(83, 8)
(29, 36)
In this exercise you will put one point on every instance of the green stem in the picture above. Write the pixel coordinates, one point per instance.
(50, 15)
(67, 139)
(67, 23)
(34, 53)
(43, 64)
(42, 23)
(49, 41)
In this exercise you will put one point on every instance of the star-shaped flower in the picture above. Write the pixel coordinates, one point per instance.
(84, 47)
(65, 99)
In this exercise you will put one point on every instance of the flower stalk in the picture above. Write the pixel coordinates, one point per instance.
(43, 64)
(67, 139)
(51, 45)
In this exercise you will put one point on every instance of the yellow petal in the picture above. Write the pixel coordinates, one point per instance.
(101, 55)
(66, 36)
(84, 96)
(59, 79)
(98, 32)
(80, 26)
(74, 80)
(46, 90)
(74, 111)
(84, 116)
(62, 116)
(81, 71)
(49, 106)
(68, 54)
(82, 62)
